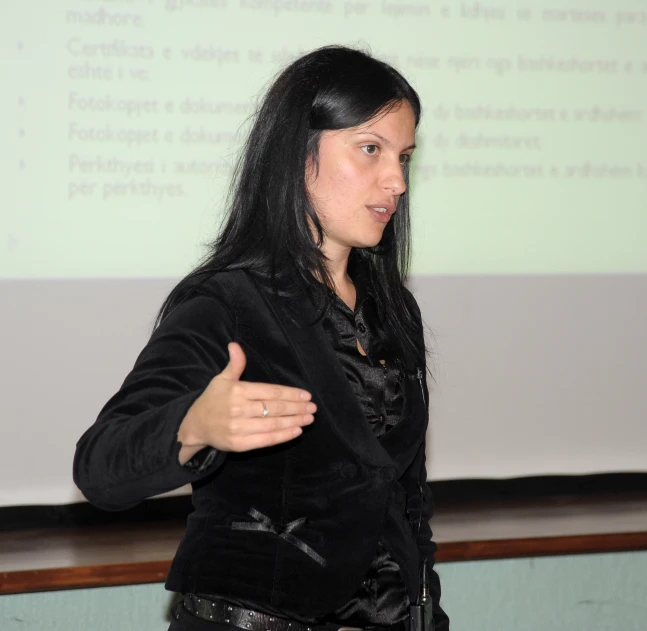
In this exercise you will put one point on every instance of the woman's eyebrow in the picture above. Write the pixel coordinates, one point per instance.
(385, 140)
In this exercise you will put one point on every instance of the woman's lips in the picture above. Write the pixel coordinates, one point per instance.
(382, 217)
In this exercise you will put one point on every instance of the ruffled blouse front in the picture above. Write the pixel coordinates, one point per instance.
(376, 380)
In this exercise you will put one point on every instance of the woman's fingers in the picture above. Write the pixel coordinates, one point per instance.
(288, 411)
(272, 391)
(255, 409)
(228, 415)
(237, 362)
(251, 426)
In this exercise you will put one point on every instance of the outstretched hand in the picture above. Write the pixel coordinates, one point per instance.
(228, 415)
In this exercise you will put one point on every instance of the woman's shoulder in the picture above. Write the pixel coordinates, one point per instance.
(199, 295)
(223, 284)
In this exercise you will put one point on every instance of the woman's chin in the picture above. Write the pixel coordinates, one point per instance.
(370, 241)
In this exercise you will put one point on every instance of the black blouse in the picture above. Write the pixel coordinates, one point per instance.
(376, 380)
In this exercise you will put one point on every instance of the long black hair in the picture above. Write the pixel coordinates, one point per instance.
(267, 225)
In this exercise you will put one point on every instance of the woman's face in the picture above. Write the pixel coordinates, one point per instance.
(360, 178)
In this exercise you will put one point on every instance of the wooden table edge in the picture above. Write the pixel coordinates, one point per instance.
(114, 574)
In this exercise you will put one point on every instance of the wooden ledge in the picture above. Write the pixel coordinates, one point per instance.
(53, 579)
(40, 560)
(540, 546)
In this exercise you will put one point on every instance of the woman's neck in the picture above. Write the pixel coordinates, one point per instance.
(337, 266)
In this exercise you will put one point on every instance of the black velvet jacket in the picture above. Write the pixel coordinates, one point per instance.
(294, 525)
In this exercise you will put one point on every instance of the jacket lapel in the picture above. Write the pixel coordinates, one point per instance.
(327, 382)
(398, 446)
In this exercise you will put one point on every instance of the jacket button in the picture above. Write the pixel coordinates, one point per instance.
(361, 327)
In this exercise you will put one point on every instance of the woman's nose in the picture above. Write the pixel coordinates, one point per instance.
(393, 179)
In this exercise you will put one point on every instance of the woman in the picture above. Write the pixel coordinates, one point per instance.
(285, 376)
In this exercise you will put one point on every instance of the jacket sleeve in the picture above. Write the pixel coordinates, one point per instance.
(131, 452)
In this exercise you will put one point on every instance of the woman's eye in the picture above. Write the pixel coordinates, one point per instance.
(404, 159)
(371, 150)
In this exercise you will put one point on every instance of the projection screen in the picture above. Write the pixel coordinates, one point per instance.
(122, 120)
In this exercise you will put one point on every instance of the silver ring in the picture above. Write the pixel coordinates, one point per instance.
(265, 410)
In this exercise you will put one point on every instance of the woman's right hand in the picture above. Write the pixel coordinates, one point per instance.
(228, 415)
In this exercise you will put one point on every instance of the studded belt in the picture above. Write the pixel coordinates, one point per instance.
(248, 619)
